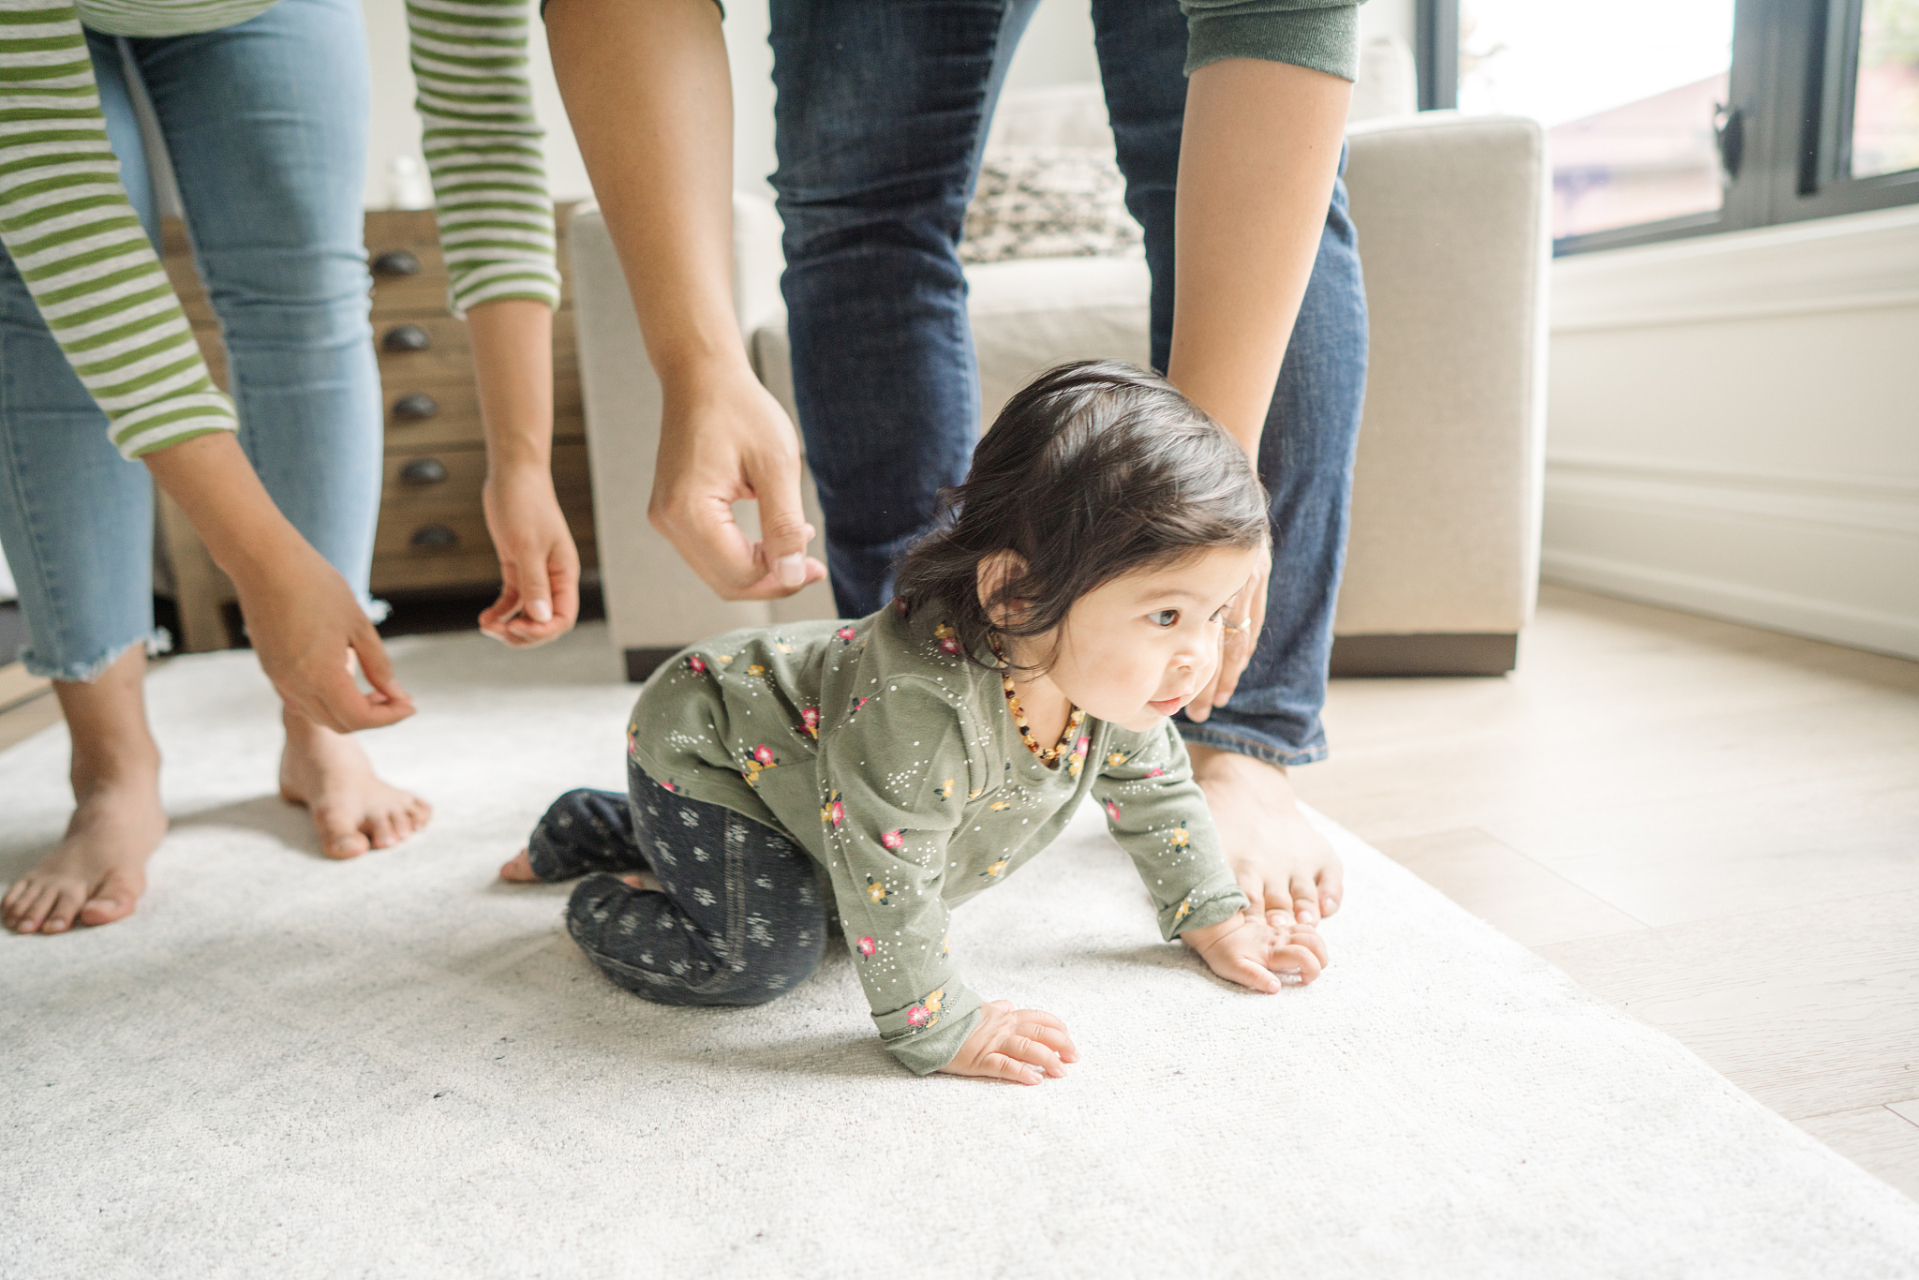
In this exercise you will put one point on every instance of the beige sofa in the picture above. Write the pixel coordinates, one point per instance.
(1443, 555)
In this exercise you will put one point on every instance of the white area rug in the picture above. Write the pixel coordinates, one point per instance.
(397, 1067)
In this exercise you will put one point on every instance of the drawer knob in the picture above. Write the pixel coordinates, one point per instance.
(406, 337)
(423, 471)
(396, 262)
(433, 536)
(416, 407)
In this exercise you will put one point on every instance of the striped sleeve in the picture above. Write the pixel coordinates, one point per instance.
(483, 150)
(69, 228)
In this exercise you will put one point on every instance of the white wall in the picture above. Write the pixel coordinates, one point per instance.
(1733, 427)
(1057, 49)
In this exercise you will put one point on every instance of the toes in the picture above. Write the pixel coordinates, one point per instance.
(114, 900)
(340, 835)
(1305, 896)
(65, 906)
(1332, 887)
(27, 906)
(379, 829)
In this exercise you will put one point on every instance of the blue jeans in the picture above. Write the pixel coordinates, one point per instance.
(882, 114)
(266, 126)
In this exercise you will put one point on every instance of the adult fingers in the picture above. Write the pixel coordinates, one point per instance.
(775, 480)
(331, 698)
(378, 668)
(535, 595)
(703, 531)
(1255, 614)
(1233, 657)
(503, 610)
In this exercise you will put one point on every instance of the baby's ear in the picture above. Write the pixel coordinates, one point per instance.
(994, 572)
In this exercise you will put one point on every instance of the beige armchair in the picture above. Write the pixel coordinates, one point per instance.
(1443, 557)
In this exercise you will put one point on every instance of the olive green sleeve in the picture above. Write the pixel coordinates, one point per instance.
(1158, 815)
(1320, 34)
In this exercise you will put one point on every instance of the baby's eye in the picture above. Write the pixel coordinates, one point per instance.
(1164, 618)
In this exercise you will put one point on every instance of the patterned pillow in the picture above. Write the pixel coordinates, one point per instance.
(1048, 202)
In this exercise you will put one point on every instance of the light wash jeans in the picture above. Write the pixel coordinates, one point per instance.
(266, 125)
(881, 117)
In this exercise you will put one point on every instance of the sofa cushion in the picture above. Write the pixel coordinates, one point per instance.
(1027, 315)
(1048, 202)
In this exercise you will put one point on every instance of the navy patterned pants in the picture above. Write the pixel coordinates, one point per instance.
(740, 920)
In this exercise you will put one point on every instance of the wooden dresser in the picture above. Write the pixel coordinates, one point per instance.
(432, 533)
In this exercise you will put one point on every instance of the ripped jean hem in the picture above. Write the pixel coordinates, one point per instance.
(157, 641)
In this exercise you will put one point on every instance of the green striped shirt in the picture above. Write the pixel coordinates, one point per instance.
(68, 226)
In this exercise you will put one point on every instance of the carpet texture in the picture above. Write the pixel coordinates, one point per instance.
(399, 1067)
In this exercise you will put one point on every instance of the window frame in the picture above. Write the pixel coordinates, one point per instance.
(1794, 64)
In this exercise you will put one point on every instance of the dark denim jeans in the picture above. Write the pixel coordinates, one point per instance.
(741, 918)
(882, 113)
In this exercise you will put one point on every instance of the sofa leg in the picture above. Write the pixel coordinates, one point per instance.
(640, 663)
(1432, 654)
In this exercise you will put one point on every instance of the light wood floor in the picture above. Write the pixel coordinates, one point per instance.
(1715, 828)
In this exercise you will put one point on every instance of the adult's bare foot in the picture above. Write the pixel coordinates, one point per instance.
(1276, 855)
(352, 809)
(99, 870)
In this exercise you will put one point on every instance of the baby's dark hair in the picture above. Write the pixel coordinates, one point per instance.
(1093, 470)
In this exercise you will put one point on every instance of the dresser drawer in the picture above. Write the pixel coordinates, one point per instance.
(390, 233)
(422, 350)
(432, 530)
(452, 415)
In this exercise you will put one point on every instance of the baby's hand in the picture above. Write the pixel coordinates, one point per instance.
(1256, 952)
(1014, 1044)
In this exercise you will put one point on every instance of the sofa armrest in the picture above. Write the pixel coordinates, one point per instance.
(653, 600)
(1451, 213)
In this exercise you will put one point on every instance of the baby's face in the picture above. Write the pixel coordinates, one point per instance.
(1141, 647)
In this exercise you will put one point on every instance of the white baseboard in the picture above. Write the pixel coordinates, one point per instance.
(1834, 558)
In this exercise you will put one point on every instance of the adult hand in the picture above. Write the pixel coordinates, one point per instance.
(1021, 1045)
(724, 443)
(539, 565)
(308, 629)
(1245, 615)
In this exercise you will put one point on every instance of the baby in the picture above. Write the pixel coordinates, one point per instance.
(1039, 640)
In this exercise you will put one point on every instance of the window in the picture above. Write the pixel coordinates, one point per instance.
(1671, 118)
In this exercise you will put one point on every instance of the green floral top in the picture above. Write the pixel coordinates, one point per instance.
(896, 763)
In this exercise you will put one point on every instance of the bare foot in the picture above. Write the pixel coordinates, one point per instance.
(519, 870)
(1276, 855)
(352, 809)
(99, 870)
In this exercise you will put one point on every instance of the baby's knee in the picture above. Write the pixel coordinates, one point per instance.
(762, 973)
